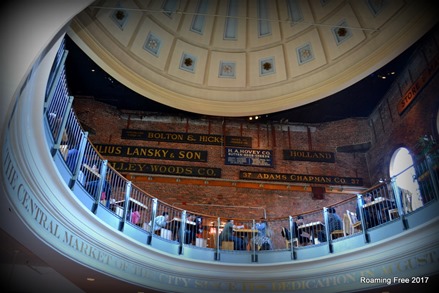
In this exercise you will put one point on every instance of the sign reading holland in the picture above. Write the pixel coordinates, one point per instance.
(249, 157)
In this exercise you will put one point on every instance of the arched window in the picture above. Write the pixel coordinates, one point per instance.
(401, 166)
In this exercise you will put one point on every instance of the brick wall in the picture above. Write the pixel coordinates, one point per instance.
(105, 124)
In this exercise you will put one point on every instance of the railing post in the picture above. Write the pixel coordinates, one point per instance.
(362, 219)
(292, 236)
(327, 233)
(58, 140)
(127, 204)
(398, 201)
(430, 161)
(98, 191)
(182, 238)
(153, 215)
(252, 241)
(81, 152)
(217, 252)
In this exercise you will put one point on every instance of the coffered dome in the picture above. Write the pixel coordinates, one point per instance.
(245, 57)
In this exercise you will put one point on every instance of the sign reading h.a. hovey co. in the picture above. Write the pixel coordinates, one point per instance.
(182, 137)
(249, 157)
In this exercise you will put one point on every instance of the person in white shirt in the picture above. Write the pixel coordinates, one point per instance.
(161, 221)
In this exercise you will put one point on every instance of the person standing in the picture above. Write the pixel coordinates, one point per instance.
(263, 239)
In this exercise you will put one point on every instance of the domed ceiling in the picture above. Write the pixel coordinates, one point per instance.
(238, 58)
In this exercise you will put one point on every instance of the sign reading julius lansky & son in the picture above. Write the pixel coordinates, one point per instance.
(151, 153)
(249, 157)
(283, 177)
(313, 156)
(181, 137)
(166, 169)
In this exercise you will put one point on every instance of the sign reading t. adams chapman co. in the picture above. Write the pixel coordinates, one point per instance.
(151, 153)
(313, 156)
(181, 137)
(302, 178)
(249, 157)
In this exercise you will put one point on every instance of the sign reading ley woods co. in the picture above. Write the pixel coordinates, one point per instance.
(151, 153)
(181, 137)
(166, 169)
(249, 157)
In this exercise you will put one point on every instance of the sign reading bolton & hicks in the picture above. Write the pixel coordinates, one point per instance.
(282, 177)
(166, 169)
(249, 157)
(181, 137)
(151, 153)
(301, 155)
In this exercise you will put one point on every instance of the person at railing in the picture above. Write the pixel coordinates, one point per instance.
(334, 223)
(406, 200)
(72, 156)
(190, 230)
(366, 214)
(304, 237)
(228, 235)
(262, 241)
(161, 222)
(200, 229)
(105, 195)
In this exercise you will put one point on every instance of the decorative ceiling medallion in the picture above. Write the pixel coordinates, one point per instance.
(227, 69)
(120, 16)
(304, 54)
(187, 62)
(152, 44)
(341, 32)
(266, 66)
